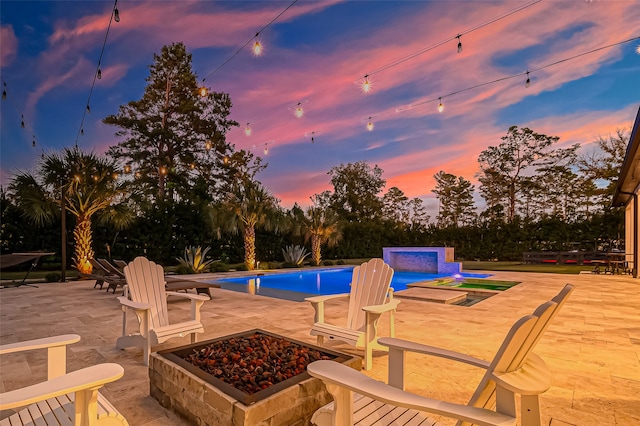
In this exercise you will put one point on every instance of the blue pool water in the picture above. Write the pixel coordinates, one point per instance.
(300, 284)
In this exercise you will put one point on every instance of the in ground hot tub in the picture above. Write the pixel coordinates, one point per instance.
(262, 380)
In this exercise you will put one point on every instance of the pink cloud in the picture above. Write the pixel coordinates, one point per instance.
(9, 44)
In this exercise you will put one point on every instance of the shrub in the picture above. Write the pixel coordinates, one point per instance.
(294, 254)
(341, 262)
(327, 263)
(194, 259)
(219, 267)
(53, 277)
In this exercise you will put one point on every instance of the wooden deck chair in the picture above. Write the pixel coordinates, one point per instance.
(65, 398)
(148, 299)
(359, 399)
(370, 297)
(103, 275)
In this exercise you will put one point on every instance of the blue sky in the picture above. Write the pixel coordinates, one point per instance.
(317, 52)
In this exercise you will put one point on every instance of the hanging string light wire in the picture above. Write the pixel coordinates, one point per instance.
(6, 95)
(248, 41)
(525, 73)
(115, 14)
(455, 37)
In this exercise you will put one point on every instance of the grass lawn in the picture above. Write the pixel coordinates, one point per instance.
(520, 267)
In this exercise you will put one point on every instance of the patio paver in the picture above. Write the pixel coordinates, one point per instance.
(593, 347)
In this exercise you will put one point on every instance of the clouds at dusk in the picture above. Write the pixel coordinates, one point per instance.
(316, 52)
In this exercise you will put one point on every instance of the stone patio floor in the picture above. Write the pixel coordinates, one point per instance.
(593, 346)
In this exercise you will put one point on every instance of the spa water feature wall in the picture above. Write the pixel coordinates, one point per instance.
(434, 260)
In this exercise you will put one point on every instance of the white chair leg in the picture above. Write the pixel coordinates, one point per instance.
(530, 410)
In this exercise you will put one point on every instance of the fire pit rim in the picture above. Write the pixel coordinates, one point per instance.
(174, 355)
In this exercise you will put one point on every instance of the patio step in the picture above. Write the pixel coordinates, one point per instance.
(432, 295)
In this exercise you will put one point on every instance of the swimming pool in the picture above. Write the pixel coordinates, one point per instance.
(300, 284)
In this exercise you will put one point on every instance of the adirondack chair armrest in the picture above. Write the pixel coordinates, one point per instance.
(317, 302)
(341, 380)
(85, 379)
(381, 309)
(202, 297)
(45, 342)
(533, 378)
(56, 351)
(134, 305)
(405, 345)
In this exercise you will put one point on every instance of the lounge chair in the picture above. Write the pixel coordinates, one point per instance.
(65, 398)
(145, 293)
(103, 275)
(360, 400)
(370, 297)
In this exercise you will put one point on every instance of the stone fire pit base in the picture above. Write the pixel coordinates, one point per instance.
(202, 404)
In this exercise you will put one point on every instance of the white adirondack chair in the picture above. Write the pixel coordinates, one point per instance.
(370, 297)
(360, 400)
(145, 293)
(65, 398)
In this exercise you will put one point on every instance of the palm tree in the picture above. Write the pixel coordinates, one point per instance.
(246, 207)
(85, 185)
(322, 226)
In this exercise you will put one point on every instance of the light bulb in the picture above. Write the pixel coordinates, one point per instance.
(208, 145)
(4, 91)
(99, 74)
(88, 109)
(528, 82)
(22, 122)
(82, 131)
(203, 91)
(225, 159)
(127, 169)
(247, 130)
(366, 84)
(257, 48)
(138, 175)
(440, 106)
(638, 49)
(370, 125)
(266, 150)
(163, 170)
(192, 166)
(459, 44)
(116, 15)
(299, 111)
(33, 143)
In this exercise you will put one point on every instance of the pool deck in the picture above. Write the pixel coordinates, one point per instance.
(593, 346)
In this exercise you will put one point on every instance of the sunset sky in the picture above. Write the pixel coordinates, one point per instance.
(316, 53)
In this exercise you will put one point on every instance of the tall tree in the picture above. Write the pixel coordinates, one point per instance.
(396, 206)
(505, 169)
(355, 191)
(602, 165)
(173, 135)
(86, 185)
(455, 195)
(321, 226)
(244, 209)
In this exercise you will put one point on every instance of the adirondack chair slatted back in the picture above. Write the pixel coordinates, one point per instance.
(369, 286)
(146, 285)
(517, 347)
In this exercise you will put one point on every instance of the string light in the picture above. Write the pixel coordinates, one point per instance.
(370, 126)
(225, 159)
(115, 16)
(369, 122)
(266, 147)
(298, 110)
(247, 130)
(127, 169)
(366, 84)
(163, 170)
(33, 142)
(312, 134)
(638, 49)
(22, 121)
(257, 43)
(527, 73)
(192, 166)
(257, 46)
(203, 91)
(4, 91)
(88, 109)
(470, 30)
(528, 82)
(208, 145)
(440, 106)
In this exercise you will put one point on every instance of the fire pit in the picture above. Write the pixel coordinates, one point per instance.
(242, 379)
